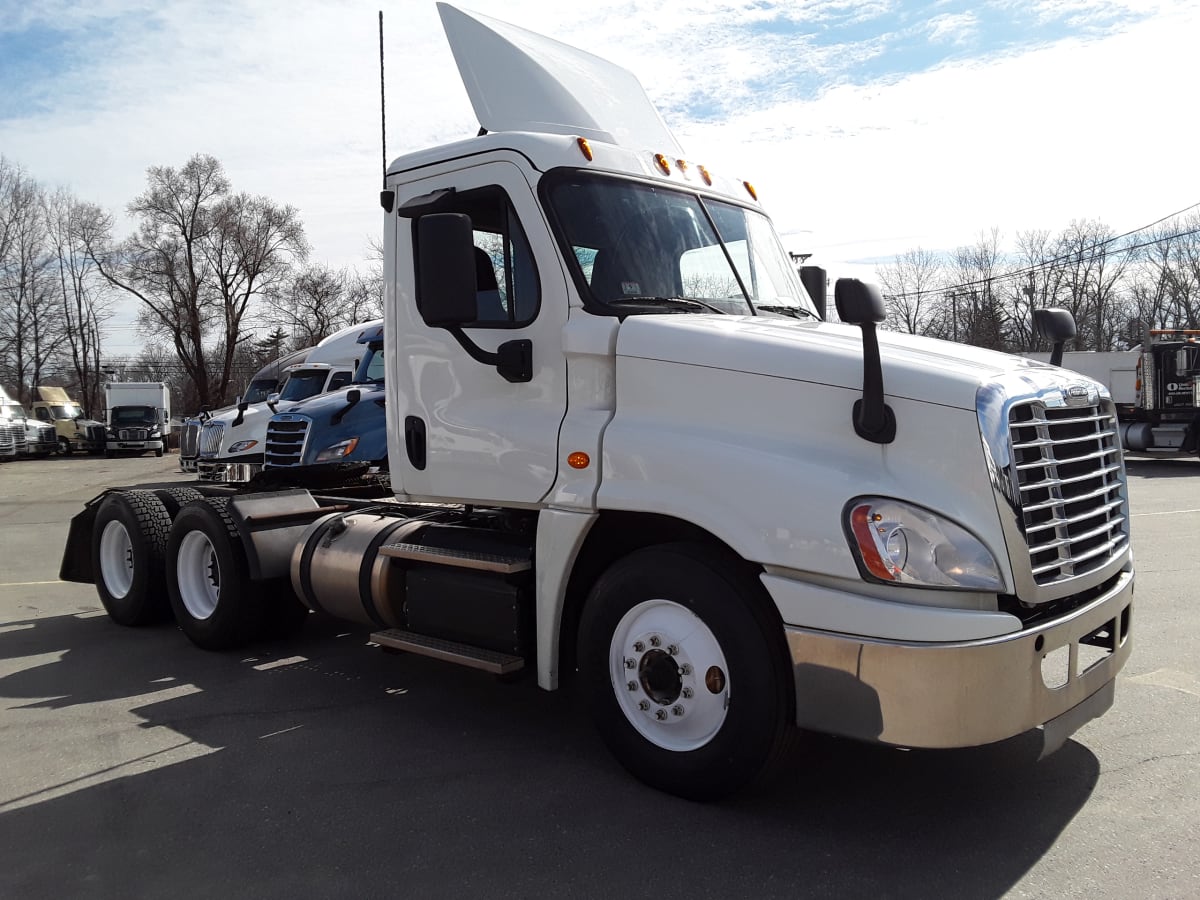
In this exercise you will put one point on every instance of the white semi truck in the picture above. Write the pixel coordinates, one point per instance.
(232, 443)
(138, 415)
(626, 449)
(21, 435)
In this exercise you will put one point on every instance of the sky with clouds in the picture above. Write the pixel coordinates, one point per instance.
(869, 127)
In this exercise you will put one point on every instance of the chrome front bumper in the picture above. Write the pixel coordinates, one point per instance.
(963, 694)
(227, 472)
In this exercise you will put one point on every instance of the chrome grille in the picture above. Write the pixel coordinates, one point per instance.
(210, 438)
(189, 439)
(18, 433)
(133, 434)
(8, 439)
(1069, 483)
(96, 434)
(285, 441)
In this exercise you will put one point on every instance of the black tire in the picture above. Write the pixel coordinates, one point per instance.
(175, 498)
(744, 727)
(215, 602)
(131, 526)
(158, 453)
(64, 447)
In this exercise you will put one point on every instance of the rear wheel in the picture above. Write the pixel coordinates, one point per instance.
(683, 670)
(215, 602)
(128, 553)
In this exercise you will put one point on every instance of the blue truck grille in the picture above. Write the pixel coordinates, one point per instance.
(285, 441)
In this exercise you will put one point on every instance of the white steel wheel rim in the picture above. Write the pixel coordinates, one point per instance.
(198, 574)
(116, 559)
(669, 675)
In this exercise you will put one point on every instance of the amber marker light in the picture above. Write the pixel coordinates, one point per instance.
(585, 148)
(862, 521)
(750, 189)
(682, 165)
(704, 174)
(663, 163)
(579, 460)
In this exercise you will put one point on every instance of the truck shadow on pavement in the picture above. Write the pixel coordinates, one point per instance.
(324, 769)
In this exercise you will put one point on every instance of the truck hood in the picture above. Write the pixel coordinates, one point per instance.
(914, 368)
(328, 404)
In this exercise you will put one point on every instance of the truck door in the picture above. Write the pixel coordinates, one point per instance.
(460, 431)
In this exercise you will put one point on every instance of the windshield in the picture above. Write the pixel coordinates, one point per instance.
(11, 411)
(631, 241)
(304, 384)
(66, 411)
(260, 390)
(371, 370)
(134, 415)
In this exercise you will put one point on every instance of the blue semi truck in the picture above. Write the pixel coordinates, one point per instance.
(337, 438)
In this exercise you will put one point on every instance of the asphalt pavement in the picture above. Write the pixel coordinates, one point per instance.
(134, 765)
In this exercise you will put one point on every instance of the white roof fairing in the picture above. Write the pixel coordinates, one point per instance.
(521, 81)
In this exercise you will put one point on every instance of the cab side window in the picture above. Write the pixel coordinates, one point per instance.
(506, 282)
(339, 380)
(42, 414)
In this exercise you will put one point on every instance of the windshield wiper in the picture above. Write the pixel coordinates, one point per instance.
(669, 300)
(796, 312)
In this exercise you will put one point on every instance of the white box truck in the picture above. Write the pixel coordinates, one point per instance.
(625, 449)
(138, 417)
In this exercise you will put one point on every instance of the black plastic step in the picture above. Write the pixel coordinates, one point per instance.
(449, 651)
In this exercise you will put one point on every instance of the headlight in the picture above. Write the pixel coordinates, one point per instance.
(338, 451)
(897, 543)
(242, 446)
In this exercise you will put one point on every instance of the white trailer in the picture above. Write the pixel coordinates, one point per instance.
(137, 416)
(625, 449)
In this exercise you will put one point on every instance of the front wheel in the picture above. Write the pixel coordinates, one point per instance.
(684, 670)
(64, 447)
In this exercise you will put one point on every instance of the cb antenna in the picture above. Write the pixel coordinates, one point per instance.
(386, 197)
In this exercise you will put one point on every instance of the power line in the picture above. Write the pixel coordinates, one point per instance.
(1066, 257)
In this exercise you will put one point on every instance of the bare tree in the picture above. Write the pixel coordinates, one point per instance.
(910, 285)
(83, 299)
(320, 300)
(198, 259)
(30, 332)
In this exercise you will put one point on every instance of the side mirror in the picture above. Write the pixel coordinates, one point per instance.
(445, 270)
(861, 304)
(242, 405)
(272, 399)
(858, 302)
(815, 281)
(1057, 326)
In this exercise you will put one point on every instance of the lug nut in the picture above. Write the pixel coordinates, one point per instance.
(673, 649)
(655, 640)
(638, 646)
(630, 662)
(632, 685)
(644, 705)
(661, 715)
(686, 669)
(687, 693)
(677, 710)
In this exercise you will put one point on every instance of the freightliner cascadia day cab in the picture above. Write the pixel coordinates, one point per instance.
(636, 456)
(231, 444)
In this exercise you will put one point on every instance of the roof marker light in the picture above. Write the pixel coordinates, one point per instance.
(750, 189)
(585, 148)
(662, 163)
(704, 174)
(683, 166)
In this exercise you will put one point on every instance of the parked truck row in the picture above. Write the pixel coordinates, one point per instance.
(626, 450)
(1156, 389)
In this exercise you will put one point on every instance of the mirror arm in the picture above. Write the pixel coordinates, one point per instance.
(873, 418)
(512, 359)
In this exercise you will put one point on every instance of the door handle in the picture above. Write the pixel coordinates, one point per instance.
(414, 441)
